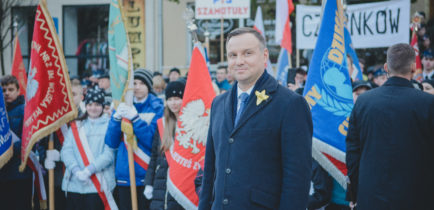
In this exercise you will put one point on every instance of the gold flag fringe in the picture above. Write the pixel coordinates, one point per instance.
(47, 131)
(6, 156)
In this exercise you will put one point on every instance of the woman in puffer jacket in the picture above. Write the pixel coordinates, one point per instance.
(87, 158)
(156, 176)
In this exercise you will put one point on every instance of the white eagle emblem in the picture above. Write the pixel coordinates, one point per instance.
(194, 125)
(32, 84)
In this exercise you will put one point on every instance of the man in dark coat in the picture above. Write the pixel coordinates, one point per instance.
(258, 153)
(15, 186)
(390, 141)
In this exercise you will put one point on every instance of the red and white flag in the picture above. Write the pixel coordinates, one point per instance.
(418, 74)
(283, 36)
(191, 133)
(18, 69)
(48, 96)
(38, 178)
(259, 26)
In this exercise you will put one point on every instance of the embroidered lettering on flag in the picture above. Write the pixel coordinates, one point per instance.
(48, 98)
(6, 145)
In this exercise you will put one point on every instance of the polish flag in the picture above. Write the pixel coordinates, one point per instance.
(418, 74)
(284, 8)
(18, 69)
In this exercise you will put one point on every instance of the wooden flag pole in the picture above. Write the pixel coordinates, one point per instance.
(51, 178)
(126, 126)
(132, 177)
(289, 60)
(297, 61)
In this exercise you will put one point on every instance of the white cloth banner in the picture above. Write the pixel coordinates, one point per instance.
(371, 25)
(227, 9)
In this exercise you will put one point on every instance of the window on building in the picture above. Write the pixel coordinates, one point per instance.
(23, 20)
(85, 30)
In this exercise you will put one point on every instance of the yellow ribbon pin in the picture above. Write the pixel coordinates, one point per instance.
(260, 96)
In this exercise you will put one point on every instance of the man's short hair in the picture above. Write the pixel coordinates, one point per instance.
(300, 71)
(245, 30)
(223, 67)
(175, 70)
(9, 79)
(400, 58)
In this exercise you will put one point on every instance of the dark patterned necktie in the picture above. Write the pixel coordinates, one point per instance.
(244, 97)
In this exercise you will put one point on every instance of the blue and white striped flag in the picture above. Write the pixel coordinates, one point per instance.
(357, 72)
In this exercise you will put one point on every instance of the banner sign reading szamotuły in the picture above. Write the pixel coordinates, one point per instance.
(226, 9)
(48, 97)
(371, 25)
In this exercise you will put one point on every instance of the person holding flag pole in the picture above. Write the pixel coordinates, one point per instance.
(134, 122)
(156, 176)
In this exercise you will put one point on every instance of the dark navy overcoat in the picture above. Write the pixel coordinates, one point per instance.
(264, 162)
(390, 148)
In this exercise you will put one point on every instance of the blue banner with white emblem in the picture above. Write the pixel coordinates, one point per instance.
(328, 92)
(6, 148)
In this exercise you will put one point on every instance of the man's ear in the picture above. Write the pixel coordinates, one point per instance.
(266, 57)
(413, 68)
(386, 68)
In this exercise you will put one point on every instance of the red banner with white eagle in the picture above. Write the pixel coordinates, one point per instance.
(48, 96)
(191, 133)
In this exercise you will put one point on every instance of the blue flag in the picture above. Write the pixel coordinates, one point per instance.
(328, 92)
(6, 147)
(357, 72)
(282, 67)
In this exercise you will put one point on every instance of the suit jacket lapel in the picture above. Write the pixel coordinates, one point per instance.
(270, 86)
(229, 109)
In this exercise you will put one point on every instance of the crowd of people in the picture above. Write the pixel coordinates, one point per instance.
(281, 175)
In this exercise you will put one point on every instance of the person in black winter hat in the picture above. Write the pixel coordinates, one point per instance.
(156, 176)
(94, 95)
(143, 113)
(146, 77)
(175, 89)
